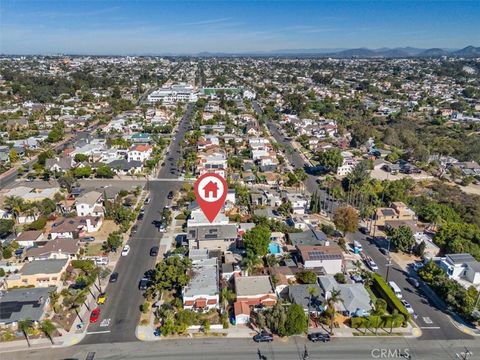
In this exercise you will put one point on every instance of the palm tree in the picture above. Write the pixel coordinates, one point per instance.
(226, 296)
(312, 292)
(15, 205)
(251, 262)
(271, 260)
(331, 301)
(48, 327)
(394, 318)
(24, 326)
(54, 296)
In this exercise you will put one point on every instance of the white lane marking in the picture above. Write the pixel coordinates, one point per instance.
(98, 332)
(427, 320)
(429, 327)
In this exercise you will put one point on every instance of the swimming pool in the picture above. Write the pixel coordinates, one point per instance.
(274, 248)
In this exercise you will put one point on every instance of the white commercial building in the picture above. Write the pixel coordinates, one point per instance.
(173, 93)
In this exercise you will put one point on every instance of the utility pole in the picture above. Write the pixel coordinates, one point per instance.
(389, 264)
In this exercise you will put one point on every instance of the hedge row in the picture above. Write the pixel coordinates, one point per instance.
(381, 288)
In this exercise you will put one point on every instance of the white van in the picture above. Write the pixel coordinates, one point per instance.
(396, 289)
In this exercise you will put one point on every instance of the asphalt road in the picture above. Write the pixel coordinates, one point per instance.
(124, 298)
(434, 323)
(431, 319)
(246, 349)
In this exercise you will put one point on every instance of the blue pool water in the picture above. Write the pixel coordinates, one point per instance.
(274, 248)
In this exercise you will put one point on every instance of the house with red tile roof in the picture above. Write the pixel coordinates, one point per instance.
(141, 152)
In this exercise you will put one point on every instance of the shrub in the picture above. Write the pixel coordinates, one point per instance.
(381, 288)
(38, 224)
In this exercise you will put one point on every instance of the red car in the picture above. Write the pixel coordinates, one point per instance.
(94, 315)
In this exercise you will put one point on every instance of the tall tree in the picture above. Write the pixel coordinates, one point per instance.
(48, 328)
(346, 219)
(25, 326)
(256, 240)
(333, 299)
(15, 205)
(402, 238)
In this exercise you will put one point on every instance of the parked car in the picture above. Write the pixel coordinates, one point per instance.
(162, 227)
(143, 284)
(314, 337)
(170, 195)
(113, 277)
(154, 251)
(414, 282)
(95, 315)
(146, 201)
(101, 299)
(126, 250)
(87, 239)
(371, 264)
(357, 278)
(417, 265)
(384, 251)
(407, 306)
(263, 337)
(134, 230)
(140, 217)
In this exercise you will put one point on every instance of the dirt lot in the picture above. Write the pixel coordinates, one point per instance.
(107, 227)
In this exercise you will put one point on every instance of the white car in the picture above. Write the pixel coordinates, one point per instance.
(126, 250)
(408, 307)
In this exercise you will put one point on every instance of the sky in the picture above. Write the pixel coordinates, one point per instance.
(187, 27)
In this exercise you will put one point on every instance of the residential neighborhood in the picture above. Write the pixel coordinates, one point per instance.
(344, 217)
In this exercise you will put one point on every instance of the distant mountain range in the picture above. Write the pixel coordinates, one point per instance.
(400, 52)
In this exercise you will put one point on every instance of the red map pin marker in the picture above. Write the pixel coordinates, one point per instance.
(210, 192)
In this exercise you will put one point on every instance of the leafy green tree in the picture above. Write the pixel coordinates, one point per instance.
(402, 238)
(114, 240)
(340, 277)
(7, 252)
(105, 172)
(67, 181)
(285, 208)
(82, 172)
(256, 240)
(331, 159)
(306, 277)
(13, 156)
(346, 219)
(276, 318)
(296, 321)
(6, 226)
(420, 249)
(80, 158)
(172, 273)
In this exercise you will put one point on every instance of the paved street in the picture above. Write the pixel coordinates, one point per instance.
(434, 323)
(246, 349)
(124, 298)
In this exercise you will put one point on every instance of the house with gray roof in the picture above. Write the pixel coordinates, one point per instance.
(202, 290)
(309, 237)
(355, 299)
(309, 296)
(19, 304)
(212, 237)
(39, 273)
